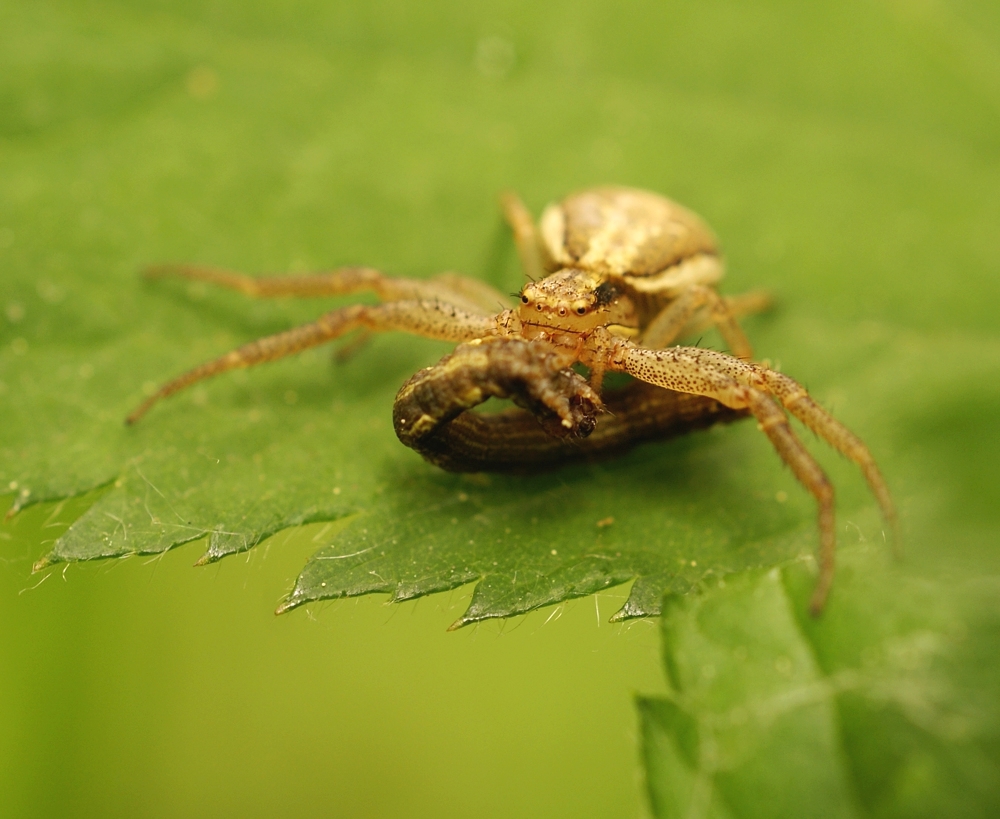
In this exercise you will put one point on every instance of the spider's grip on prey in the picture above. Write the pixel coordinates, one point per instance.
(561, 424)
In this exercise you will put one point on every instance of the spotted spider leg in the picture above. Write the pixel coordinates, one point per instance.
(432, 319)
(469, 295)
(743, 385)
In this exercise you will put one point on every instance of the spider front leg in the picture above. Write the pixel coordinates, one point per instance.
(432, 319)
(739, 384)
(469, 295)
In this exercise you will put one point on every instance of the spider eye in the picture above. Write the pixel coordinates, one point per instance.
(581, 311)
(524, 299)
(562, 311)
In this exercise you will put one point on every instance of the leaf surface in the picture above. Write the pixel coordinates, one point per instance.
(305, 138)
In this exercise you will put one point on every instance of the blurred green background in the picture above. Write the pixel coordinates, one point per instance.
(148, 688)
(846, 153)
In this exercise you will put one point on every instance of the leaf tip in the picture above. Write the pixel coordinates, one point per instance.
(634, 611)
(291, 602)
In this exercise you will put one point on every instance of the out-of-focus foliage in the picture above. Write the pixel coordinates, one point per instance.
(886, 706)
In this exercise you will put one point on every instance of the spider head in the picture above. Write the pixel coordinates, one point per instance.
(571, 299)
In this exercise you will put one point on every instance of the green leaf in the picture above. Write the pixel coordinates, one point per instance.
(885, 706)
(843, 154)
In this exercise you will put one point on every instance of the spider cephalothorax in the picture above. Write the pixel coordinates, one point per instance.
(617, 276)
(574, 301)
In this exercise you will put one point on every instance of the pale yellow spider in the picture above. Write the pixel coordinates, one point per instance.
(616, 276)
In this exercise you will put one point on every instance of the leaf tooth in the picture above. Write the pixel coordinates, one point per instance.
(294, 600)
(460, 622)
